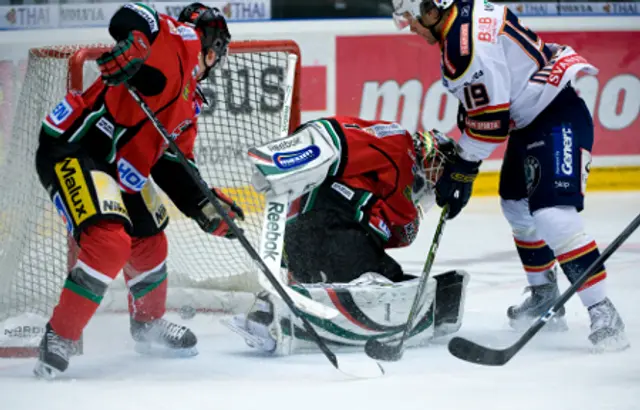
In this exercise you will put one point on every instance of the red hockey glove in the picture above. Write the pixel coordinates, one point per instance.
(210, 221)
(125, 59)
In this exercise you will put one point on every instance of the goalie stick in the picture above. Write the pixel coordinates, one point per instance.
(388, 352)
(274, 222)
(366, 369)
(469, 351)
(272, 247)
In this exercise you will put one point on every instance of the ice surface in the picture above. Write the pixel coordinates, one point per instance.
(554, 372)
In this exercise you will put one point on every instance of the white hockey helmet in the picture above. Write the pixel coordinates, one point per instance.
(403, 9)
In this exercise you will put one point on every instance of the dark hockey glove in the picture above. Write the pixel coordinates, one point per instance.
(211, 222)
(456, 183)
(125, 59)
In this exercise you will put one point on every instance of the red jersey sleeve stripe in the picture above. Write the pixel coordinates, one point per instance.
(488, 109)
(486, 138)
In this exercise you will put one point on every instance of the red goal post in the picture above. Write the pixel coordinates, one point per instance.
(78, 56)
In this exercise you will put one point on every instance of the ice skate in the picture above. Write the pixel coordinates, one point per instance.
(607, 328)
(255, 326)
(54, 355)
(164, 338)
(540, 299)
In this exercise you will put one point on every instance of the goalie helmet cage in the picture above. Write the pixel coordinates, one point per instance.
(246, 107)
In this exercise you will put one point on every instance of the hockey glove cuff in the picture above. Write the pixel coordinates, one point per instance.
(456, 183)
(125, 59)
(211, 222)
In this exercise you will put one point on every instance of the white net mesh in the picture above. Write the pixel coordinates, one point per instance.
(205, 272)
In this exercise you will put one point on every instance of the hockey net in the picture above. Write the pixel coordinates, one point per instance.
(246, 107)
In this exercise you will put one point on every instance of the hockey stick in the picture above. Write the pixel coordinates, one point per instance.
(371, 371)
(472, 352)
(389, 352)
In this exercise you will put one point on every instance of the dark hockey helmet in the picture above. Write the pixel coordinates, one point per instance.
(213, 30)
(433, 149)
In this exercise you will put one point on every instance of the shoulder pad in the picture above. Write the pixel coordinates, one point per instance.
(458, 50)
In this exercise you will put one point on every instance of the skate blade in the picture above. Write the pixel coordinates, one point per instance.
(150, 349)
(554, 325)
(253, 341)
(45, 371)
(611, 344)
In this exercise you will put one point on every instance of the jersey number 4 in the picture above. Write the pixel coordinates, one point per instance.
(476, 96)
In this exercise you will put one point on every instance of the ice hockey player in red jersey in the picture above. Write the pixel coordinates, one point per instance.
(512, 85)
(96, 154)
(364, 186)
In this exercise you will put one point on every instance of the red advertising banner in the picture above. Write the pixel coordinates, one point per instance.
(397, 77)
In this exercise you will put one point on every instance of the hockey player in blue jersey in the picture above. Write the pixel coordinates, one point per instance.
(513, 87)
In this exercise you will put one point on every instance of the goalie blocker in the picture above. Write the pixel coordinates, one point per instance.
(360, 188)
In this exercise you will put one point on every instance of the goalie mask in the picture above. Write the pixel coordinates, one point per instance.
(212, 27)
(432, 149)
(404, 11)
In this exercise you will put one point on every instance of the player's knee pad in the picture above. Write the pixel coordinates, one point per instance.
(561, 227)
(517, 214)
(147, 268)
(146, 277)
(104, 250)
(83, 195)
(370, 306)
(149, 252)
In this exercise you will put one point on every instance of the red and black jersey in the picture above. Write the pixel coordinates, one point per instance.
(109, 125)
(373, 177)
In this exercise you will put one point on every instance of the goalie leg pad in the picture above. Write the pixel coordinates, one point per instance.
(371, 307)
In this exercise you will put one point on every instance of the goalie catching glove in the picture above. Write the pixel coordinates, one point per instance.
(125, 59)
(211, 221)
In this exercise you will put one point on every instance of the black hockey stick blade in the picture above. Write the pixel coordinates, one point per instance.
(242, 238)
(472, 352)
(381, 351)
(378, 350)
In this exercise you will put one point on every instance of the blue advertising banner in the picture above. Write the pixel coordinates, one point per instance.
(575, 9)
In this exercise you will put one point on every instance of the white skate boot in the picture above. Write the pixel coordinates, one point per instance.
(607, 328)
(537, 303)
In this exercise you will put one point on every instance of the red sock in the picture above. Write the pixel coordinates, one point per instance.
(104, 249)
(146, 276)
